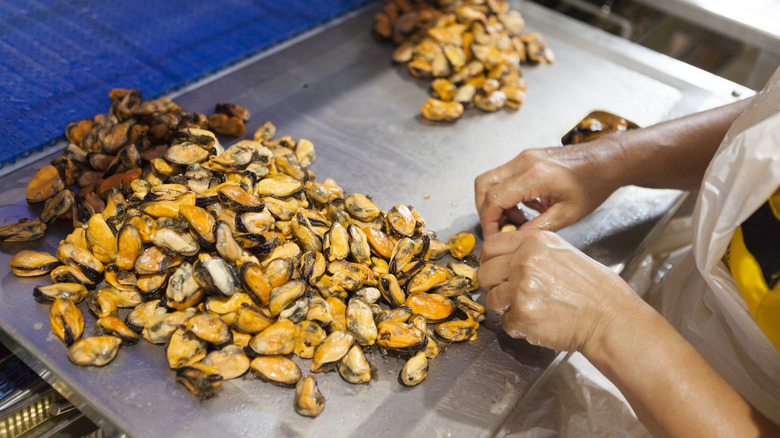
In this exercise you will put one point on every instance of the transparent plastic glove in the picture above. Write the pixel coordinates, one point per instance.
(564, 184)
(550, 293)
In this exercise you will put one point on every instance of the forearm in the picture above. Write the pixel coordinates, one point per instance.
(674, 392)
(672, 154)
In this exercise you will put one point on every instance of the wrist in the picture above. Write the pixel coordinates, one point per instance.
(621, 333)
(601, 166)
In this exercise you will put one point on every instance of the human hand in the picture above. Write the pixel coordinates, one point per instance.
(550, 293)
(564, 184)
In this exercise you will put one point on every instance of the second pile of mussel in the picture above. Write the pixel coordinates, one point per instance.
(470, 51)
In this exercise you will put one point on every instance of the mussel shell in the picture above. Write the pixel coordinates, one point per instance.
(360, 207)
(70, 274)
(31, 263)
(353, 367)
(236, 197)
(256, 283)
(94, 351)
(159, 328)
(251, 320)
(210, 328)
(230, 361)
(184, 348)
(308, 399)
(67, 291)
(202, 380)
(78, 257)
(415, 370)
(332, 349)
(433, 307)
(179, 242)
(360, 322)
(67, 321)
(308, 336)
(457, 330)
(401, 336)
(277, 369)
(111, 325)
(216, 275)
(279, 338)
(22, 231)
(282, 296)
(57, 206)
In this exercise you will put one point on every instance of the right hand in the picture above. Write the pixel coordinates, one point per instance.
(552, 294)
(564, 184)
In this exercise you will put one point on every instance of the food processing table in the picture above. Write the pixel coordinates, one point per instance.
(335, 86)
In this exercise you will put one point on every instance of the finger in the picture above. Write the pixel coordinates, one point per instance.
(484, 182)
(499, 298)
(500, 244)
(514, 326)
(501, 197)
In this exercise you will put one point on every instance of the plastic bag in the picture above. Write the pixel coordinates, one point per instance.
(699, 296)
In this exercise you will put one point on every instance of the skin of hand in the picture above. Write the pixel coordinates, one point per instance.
(555, 296)
(565, 184)
(550, 293)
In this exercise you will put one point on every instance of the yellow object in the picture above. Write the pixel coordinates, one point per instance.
(754, 260)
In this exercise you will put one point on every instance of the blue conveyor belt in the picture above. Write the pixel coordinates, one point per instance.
(59, 59)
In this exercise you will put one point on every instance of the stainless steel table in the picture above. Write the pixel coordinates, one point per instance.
(337, 87)
(753, 22)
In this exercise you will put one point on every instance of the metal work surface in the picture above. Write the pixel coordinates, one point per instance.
(754, 22)
(338, 88)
